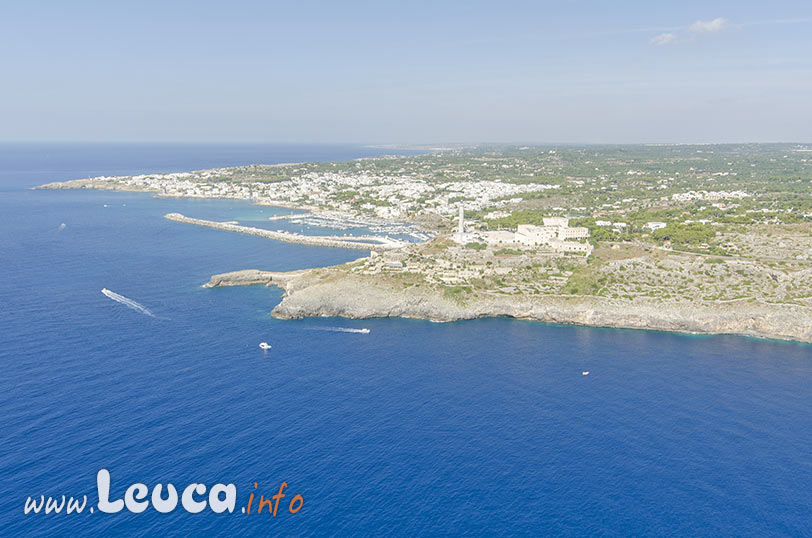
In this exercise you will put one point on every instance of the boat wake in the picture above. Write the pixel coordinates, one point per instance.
(129, 303)
(340, 330)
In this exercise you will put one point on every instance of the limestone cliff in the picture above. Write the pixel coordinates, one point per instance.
(320, 293)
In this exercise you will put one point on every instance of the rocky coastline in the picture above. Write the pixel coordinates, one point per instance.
(316, 293)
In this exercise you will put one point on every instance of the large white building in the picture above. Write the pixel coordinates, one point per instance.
(528, 234)
(576, 232)
(555, 233)
(554, 228)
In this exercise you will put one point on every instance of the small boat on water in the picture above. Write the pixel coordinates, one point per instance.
(265, 345)
(364, 331)
(585, 372)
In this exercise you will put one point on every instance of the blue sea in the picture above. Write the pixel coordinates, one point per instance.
(476, 428)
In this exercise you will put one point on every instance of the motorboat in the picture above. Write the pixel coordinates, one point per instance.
(265, 345)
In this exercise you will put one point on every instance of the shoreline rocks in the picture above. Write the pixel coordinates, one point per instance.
(250, 277)
(308, 294)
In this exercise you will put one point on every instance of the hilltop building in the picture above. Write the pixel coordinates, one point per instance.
(554, 228)
(555, 234)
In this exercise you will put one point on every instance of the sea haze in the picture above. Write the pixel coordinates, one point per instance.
(417, 428)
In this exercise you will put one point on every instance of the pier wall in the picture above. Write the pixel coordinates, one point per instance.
(287, 237)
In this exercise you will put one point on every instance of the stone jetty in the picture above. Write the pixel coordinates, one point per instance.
(356, 242)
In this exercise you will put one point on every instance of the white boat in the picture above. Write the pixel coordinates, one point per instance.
(364, 331)
(585, 372)
(265, 345)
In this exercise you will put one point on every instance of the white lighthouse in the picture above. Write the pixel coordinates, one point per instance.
(461, 236)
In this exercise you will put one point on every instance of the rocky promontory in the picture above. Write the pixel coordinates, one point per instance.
(250, 277)
(321, 292)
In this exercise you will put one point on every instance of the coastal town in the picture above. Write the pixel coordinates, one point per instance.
(391, 195)
(686, 231)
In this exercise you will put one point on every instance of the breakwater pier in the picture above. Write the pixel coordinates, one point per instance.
(367, 242)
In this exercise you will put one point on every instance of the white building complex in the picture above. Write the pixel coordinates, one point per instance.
(555, 234)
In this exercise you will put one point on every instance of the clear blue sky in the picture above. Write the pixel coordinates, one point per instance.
(407, 72)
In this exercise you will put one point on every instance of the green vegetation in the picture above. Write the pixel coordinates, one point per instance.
(684, 234)
(508, 252)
